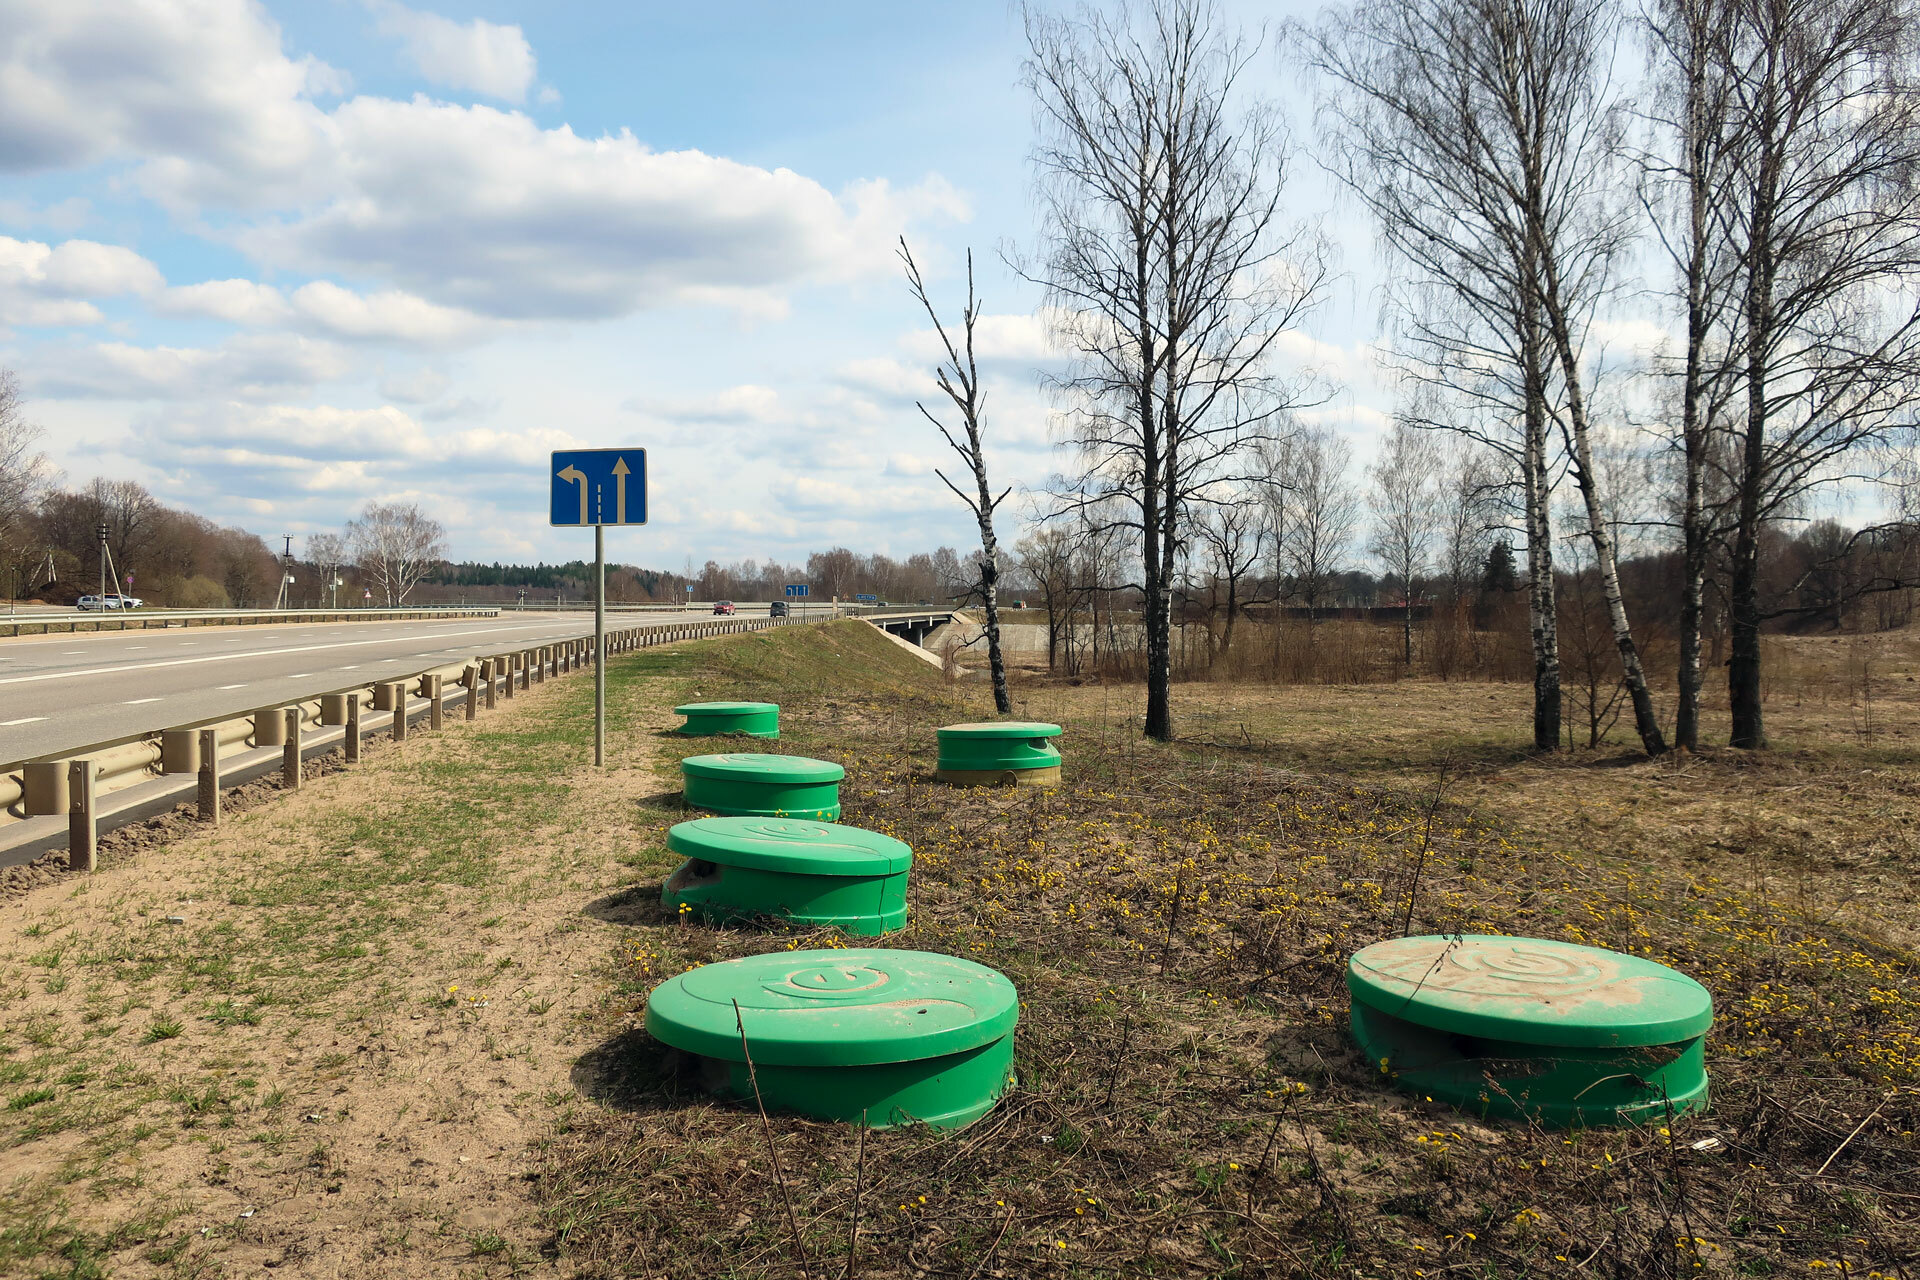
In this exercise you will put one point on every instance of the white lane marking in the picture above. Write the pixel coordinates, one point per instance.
(22, 720)
(303, 675)
(232, 686)
(257, 653)
(132, 647)
(134, 702)
(351, 666)
(67, 653)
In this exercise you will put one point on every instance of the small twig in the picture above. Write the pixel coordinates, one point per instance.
(1426, 843)
(1113, 1068)
(859, 1177)
(1849, 1138)
(773, 1151)
(987, 1257)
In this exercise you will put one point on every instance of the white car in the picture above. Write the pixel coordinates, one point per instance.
(93, 604)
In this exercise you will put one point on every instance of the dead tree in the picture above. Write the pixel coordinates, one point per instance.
(958, 377)
(1168, 270)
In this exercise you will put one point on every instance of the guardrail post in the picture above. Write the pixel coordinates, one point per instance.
(398, 692)
(526, 668)
(352, 739)
(471, 676)
(290, 754)
(83, 819)
(434, 709)
(486, 678)
(540, 664)
(506, 669)
(210, 776)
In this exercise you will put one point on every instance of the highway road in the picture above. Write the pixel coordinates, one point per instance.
(58, 693)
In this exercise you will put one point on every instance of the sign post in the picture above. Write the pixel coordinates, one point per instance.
(591, 487)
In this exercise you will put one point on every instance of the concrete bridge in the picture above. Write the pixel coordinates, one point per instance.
(913, 626)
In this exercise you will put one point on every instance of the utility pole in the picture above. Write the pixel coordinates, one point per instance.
(100, 530)
(283, 599)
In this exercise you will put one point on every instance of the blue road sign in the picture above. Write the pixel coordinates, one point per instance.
(796, 588)
(866, 597)
(598, 486)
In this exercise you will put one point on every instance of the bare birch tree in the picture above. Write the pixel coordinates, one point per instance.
(1821, 211)
(1168, 267)
(1410, 133)
(1316, 510)
(1231, 531)
(396, 545)
(1479, 132)
(1683, 173)
(958, 378)
(1406, 501)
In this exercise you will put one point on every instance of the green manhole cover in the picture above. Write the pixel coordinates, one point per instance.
(748, 784)
(806, 872)
(999, 752)
(894, 1037)
(711, 719)
(1564, 1033)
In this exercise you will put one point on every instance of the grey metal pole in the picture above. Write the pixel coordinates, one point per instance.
(600, 646)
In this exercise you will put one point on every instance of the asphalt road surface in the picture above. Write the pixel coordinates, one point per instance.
(58, 693)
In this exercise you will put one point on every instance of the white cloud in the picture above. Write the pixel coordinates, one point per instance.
(478, 55)
(1022, 338)
(482, 209)
(467, 207)
(747, 403)
(43, 285)
(253, 366)
(237, 301)
(415, 386)
(201, 84)
(326, 308)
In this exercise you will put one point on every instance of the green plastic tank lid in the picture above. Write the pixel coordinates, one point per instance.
(848, 1007)
(1529, 990)
(790, 845)
(999, 729)
(724, 708)
(752, 766)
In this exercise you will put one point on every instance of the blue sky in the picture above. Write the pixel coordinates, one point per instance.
(275, 260)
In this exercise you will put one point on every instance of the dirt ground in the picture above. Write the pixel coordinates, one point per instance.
(320, 1039)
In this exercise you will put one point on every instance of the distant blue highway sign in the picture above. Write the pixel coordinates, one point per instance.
(598, 486)
(796, 588)
(866, 597)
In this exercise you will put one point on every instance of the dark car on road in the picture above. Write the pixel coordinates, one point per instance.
(778, 609)
(723, 606)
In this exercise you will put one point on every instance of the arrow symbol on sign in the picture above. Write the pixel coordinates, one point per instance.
(573, 473)
(620, 474)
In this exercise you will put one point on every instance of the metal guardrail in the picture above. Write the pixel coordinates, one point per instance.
(75, 782)
(142, 619)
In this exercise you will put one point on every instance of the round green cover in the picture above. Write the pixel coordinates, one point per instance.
(998, 745)
(1529, 990)
(724, 708)
(751, 766)
(844, 1007)
(999, 729)
(790, 845)
(755, 719)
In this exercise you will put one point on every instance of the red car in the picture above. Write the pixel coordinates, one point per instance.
(723, 606)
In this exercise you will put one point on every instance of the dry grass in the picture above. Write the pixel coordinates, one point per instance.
(1177, 920)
